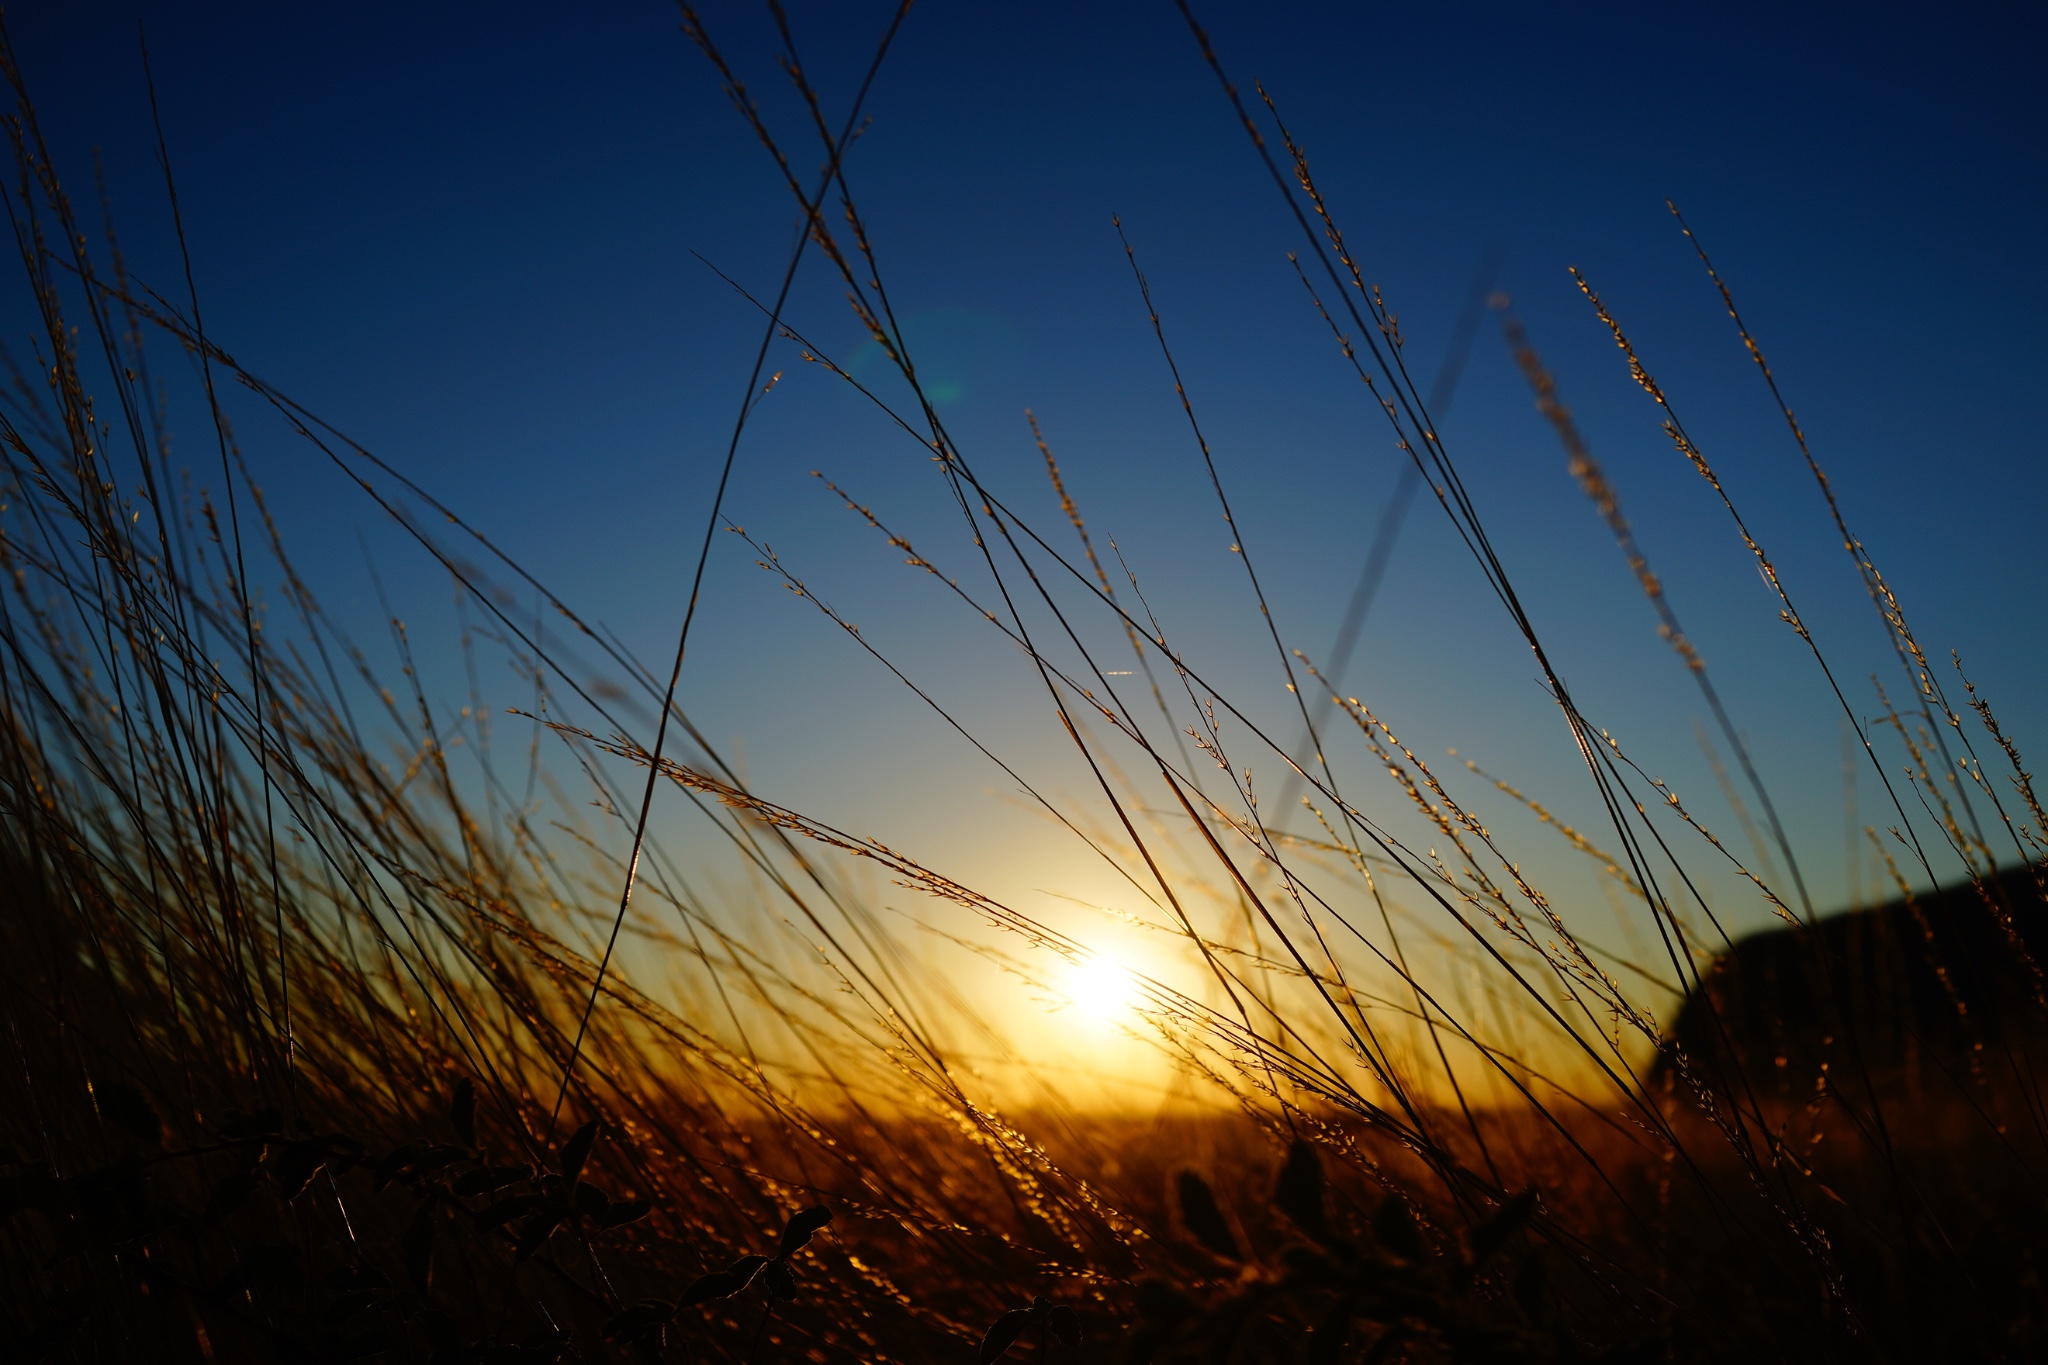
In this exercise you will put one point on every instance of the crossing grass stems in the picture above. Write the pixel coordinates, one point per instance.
(301, 971)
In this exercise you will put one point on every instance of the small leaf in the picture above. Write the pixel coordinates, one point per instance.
(722, 1284)
(419, 1248)
(577, 1150)
(781, 1284)
(802, 1224)
(462, 1111)
(410, 1161)
(744, 1270)
(534, 1234)
(505, 1210)
(1003, 1335)
(717, 1285)
(388, 1167)
(1395, 1228)
(1201, 1217)
(639, 1321)
(131, 1111)
(1508, 1219)
(623, 1212)
(591, 1202)
(1066, 1326)
(486, 1179)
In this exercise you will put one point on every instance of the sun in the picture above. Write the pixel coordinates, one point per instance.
(1102, 988)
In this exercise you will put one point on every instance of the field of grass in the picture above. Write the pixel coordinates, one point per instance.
(330, 1033)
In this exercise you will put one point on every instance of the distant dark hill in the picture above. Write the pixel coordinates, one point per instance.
(1938, 996)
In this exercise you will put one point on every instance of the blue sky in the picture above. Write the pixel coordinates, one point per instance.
(465, 234)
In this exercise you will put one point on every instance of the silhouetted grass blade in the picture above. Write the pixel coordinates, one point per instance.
(205, 855)
(577, 1150)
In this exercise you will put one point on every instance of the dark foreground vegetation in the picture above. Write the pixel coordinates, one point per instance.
(315, 1049)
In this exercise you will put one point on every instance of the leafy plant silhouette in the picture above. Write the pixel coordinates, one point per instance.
(1391, 1291)
(646, 1323)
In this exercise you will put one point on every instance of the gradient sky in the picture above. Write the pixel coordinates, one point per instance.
(464, 234)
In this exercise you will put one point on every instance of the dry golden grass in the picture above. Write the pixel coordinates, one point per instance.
(318, 1048)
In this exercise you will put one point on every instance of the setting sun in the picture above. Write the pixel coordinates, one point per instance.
(1102, 988)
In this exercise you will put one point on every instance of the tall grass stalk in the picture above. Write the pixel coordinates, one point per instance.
(321, 1045)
